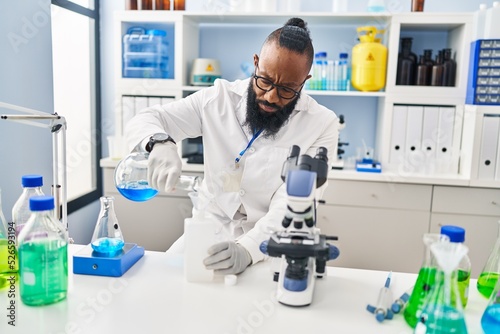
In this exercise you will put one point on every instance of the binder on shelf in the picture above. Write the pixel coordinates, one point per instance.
(141, 102)
(430, 135)
(398, 134)
(128, 109)
(489, 146)
(153, 100)
(414, 159)
(444, 148)
(165, 100)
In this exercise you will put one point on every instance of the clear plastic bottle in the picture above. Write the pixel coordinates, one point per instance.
(442, 312)
(457, 235)
(491, 271)
(43, 255)
(8, 254)
(425, 280)
(343, 68)
(490, 321)
(107, 239)
(32, 186)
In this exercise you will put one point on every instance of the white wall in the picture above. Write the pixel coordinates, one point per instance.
(26, 80)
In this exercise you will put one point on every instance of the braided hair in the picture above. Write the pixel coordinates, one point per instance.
(294, 36)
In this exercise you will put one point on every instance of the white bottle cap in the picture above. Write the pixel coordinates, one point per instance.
(483, 6)
(230, 279)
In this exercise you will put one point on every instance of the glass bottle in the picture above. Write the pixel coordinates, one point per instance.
(442, 312)
(406, 63)
(422, 72)
(32, 186)
(449, 69)
(425, 280)
(437, 70)
(8, 254)
(147, 4)
(429, 62)
(43, 255)
(131, 5)
(491, 271)
(490, 321)
(179, 4)
(457, 235)
(162, 4)
(107, 239)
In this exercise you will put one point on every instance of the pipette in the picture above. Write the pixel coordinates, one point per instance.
(383, 310)
(399, 304)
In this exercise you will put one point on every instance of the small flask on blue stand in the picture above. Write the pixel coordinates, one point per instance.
(107, 239)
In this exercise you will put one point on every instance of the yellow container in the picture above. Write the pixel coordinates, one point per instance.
(369, 61)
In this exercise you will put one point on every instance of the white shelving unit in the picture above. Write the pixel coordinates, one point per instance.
(391, 198)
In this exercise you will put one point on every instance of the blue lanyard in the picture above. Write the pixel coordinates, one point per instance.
(248, 146)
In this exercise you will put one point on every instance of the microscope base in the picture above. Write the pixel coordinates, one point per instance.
(296, 298)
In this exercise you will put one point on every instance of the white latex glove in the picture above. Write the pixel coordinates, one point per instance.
(227, 258)
(164, 166)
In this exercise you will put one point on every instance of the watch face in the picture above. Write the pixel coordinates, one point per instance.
(159, 137)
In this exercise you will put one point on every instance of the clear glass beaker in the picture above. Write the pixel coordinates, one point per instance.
(491, 271)
(490, 321)
(442, 312)
(107, 238)
(131, 178)
(425, 280)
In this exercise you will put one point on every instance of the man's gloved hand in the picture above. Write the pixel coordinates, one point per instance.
(227, 258)
(164, 166)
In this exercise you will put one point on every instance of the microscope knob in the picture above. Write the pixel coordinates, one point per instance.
(263, 247)
(333, 252)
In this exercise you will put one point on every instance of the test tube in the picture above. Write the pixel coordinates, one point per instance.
(400, 303)
(382, 309)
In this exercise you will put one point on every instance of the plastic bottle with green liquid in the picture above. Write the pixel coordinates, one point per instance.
(425, 280)
(8, 253)
(491, 271)
(43, 255)
(442, 312)
(457, 235)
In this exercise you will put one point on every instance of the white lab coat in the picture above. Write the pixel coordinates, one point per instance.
(217, 113)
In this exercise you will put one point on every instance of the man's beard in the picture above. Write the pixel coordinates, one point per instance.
(270, 123)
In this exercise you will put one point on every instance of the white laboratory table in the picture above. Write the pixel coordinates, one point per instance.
(153, 297)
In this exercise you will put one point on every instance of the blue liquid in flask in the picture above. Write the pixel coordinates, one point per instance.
(109, 246)
(491, 319)
(138, 191)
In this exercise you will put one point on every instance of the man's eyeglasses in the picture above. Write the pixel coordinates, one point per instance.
(267, 85)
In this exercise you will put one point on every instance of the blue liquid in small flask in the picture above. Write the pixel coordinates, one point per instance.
(107, 239)
(490, 321)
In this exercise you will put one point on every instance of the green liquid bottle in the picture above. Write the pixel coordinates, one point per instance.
(8, 253)
(425, 281)
(488, 278)
(43, 255)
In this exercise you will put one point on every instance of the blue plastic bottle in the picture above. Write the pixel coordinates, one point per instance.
(32, 186)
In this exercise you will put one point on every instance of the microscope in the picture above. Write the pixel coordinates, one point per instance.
(302, 250)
